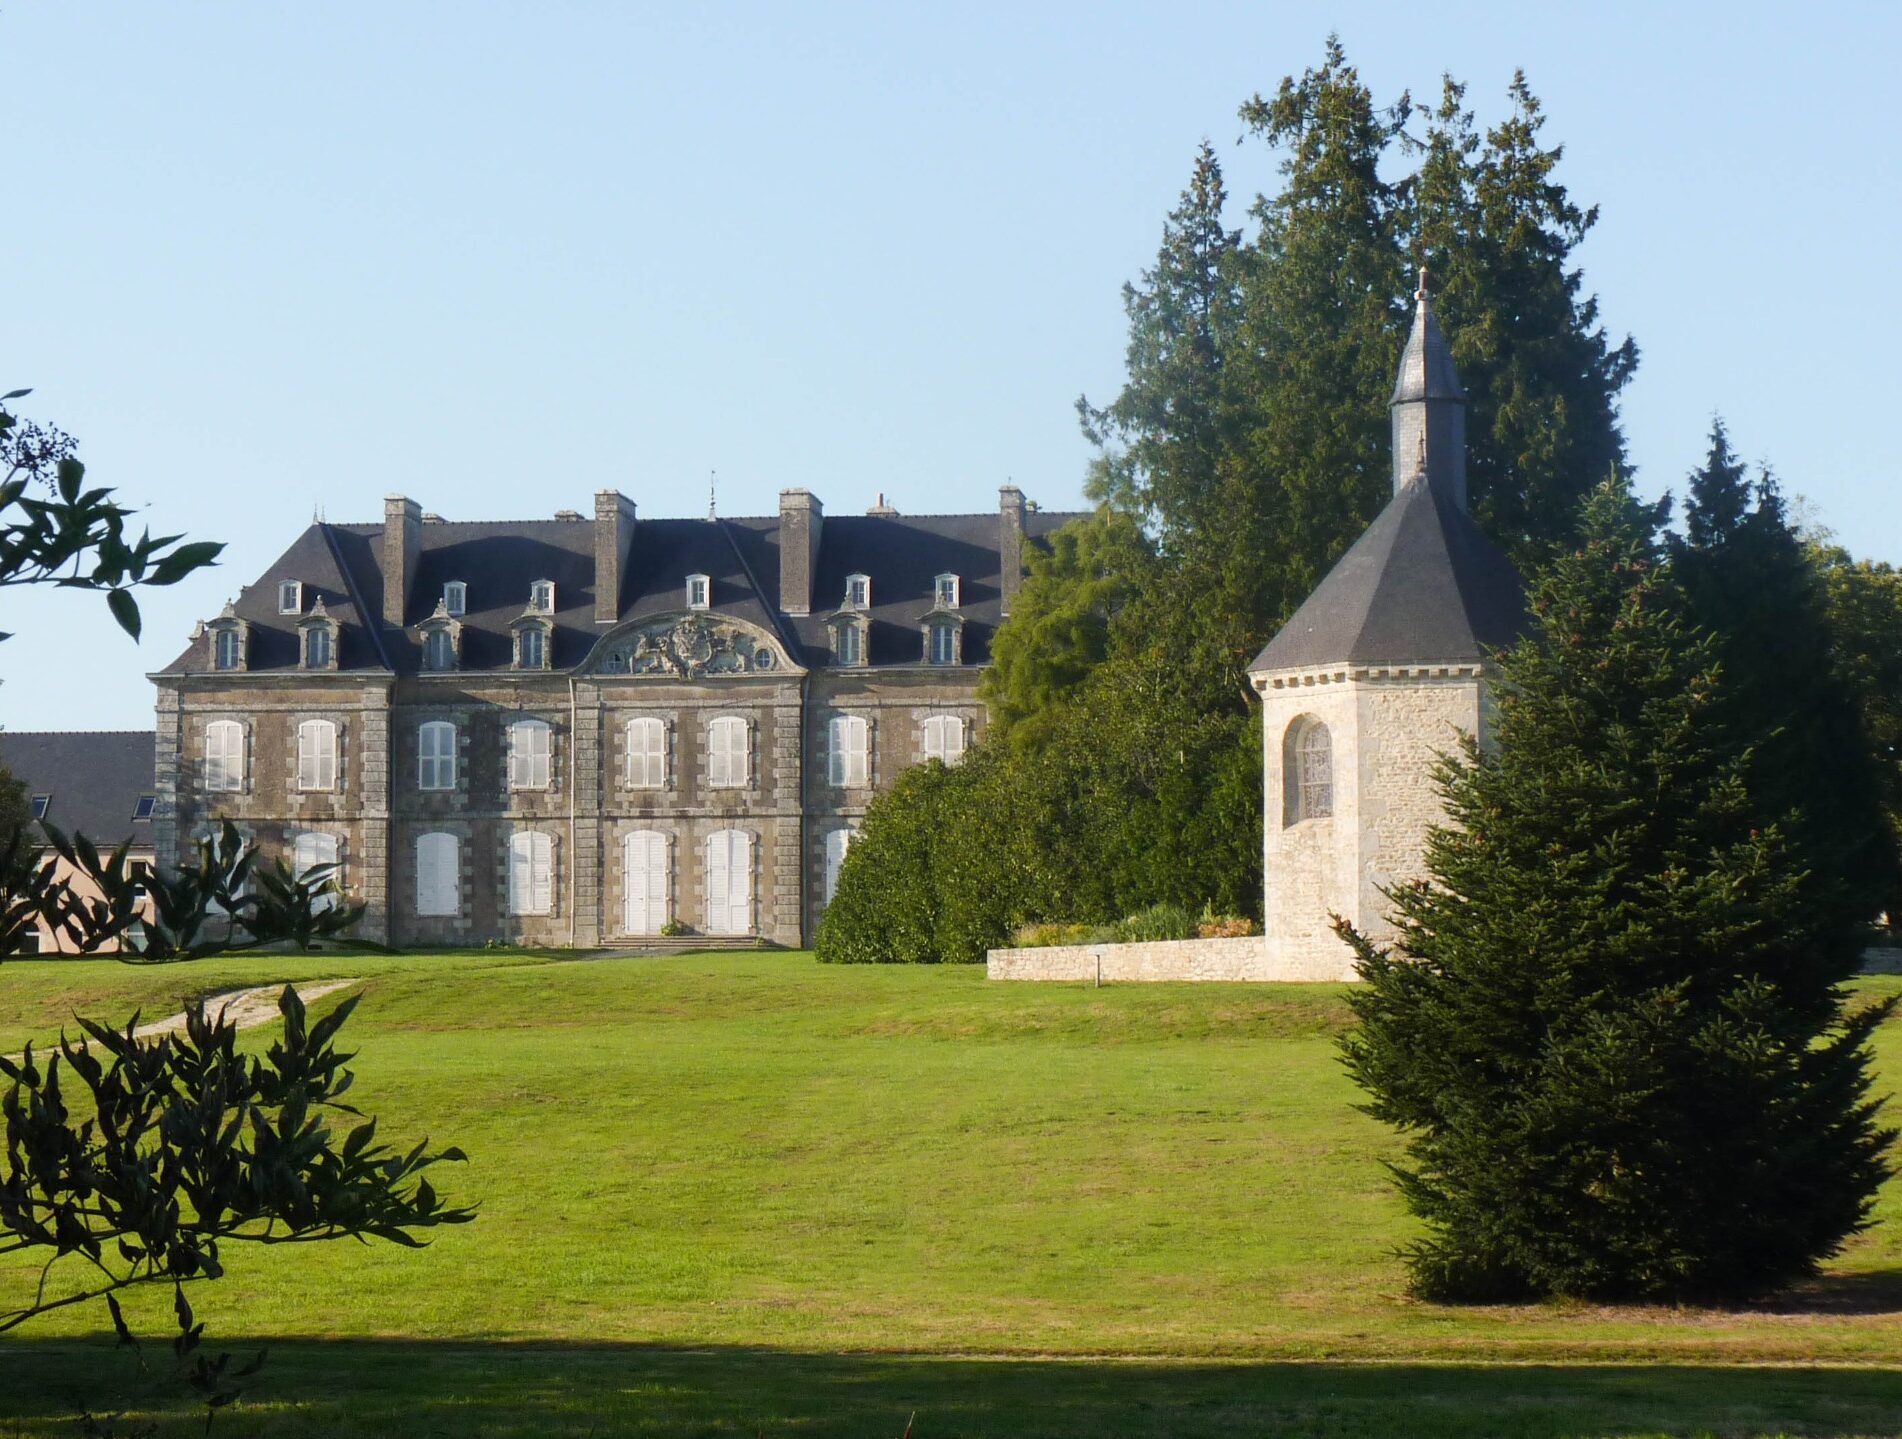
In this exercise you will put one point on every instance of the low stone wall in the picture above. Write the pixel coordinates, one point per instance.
(1219, 960)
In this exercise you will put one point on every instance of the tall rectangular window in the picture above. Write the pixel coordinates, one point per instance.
(848, 751)
(436, 755)
(226, 649)
(310, 850)
(438, 874)
(455, 597)
(532, 646)
(316, 755)
(644, 875)
(838, 845)
(646, 753)
(290, 598)
(531, 873)
(224, 756)
(531, 742)
(947, 592)
(317, 648)
(944, 738)
(730, 882)
(944, 644)
(726, 753)
(439, 650)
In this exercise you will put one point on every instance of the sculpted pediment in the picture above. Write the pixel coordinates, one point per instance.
(690, 646)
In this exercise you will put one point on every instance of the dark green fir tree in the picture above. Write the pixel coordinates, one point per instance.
(1612, 1028)
(1754, 584)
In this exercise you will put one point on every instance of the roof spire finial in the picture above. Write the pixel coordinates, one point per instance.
(1421, 293)
(712, 478)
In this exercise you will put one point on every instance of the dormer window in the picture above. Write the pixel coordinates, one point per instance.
(442, 640)
(317, 639)
(290, 597)
(146, 804)
(541, 597)
(40, 804)
(945, 592)
(848, 642)
(455, 597)
(858, 592)
(699, 592)
(941, 642)
(226, 637)
(531, 644)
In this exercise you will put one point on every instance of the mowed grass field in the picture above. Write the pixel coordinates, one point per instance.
(744, 1194)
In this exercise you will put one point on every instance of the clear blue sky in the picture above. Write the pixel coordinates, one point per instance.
(265, 258)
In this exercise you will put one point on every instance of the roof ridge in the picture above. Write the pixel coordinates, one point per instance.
(19, 733)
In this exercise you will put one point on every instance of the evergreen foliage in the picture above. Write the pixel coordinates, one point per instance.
(1612, 1026)
(1754, 585)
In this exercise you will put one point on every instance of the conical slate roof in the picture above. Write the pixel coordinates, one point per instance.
(1426, 365)
(1422, 586)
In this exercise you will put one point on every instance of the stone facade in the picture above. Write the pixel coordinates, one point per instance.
(1211, 960)
(721, 819)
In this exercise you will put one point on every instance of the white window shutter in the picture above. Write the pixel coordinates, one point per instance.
(519, 879)
(438, 874)
(719, 881)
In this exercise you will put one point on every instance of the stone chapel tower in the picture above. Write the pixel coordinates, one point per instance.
(1377, 675)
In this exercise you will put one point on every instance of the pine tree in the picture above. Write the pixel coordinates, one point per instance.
(1611, 1027)
(1752, 583)
(1498, 232)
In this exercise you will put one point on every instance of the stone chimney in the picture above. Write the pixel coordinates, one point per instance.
(613, 537)
(801, 518)
(1010, 541)
(402, 544)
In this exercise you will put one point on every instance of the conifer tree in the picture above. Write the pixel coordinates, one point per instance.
(1752, 582)
(1542, 376)
(1611, 1028)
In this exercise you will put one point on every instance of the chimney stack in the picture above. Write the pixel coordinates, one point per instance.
(402, 545)
(613, 537)
(801, 518)
(1010, 541)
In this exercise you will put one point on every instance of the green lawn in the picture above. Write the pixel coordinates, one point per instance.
(727, 1194)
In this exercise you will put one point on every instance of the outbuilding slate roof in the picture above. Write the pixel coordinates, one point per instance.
(499, 560)
(1422, 585)
(93, 779)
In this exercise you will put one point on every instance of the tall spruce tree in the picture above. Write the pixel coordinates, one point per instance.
(1754, 584)
(1499, 231)
(1611, 1028)
(1865, 623)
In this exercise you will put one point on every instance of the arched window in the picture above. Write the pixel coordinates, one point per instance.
(644, 881)
(229, 649)
(438, 874)
(311, 849)
(316, 755)
(531, 648)
(439, 649)
(531, 872)
(1307, 771)
(726, 753)
(436, 755)
(848, 643)
(944, 643)
(317, 647)
(944, 738)
(730, 882)
(838, 845)
(531, 742)
(848, 751)
(646, 753)
(224, 756)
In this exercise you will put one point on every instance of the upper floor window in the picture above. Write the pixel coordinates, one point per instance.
(436, 755)
(945, 592)
(858, 592)
(848, 642)
(317, 755)
(455, 597)
(227, 649)
(531, 872)
(541, 597)
(146, 804)
(531, 744)
(531, 647)
(699, 592)
(1307, 768)
(943, 644)
(727, 753)
(224, 756)
(290, 597)
(438, 874)
(944, 738)
(646, 753)
(40, 803)
(848, 751)
(317, 649)
(439, 649)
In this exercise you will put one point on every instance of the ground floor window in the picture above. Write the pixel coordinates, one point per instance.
(838, 844)
(531, 873)
(730, 882)
(644, 877)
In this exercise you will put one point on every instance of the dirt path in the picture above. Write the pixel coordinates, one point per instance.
(246, 1008)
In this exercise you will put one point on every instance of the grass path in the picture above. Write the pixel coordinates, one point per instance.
(715, 1187)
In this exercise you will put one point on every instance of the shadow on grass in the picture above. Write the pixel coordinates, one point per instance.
(1877, 1291)
(513, 1391)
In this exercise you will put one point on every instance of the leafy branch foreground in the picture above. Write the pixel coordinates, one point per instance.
(182, 1145)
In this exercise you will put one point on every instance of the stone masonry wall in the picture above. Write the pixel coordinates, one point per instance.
(1181, 960)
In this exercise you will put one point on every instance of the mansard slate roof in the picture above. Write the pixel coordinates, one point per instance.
(1423, 585)
(94, 779)
(500, 560)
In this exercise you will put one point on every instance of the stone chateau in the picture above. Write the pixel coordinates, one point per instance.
(585, 730)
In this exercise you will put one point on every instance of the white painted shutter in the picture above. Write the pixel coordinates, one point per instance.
(311, 849)
(726, 753)
(644, 877)
(521, 873)
(944, 738)
(316, 755)
(847, 758)
(729, 882)
(438, 874)
(224, 755)
(646, 753)
(838, 845)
